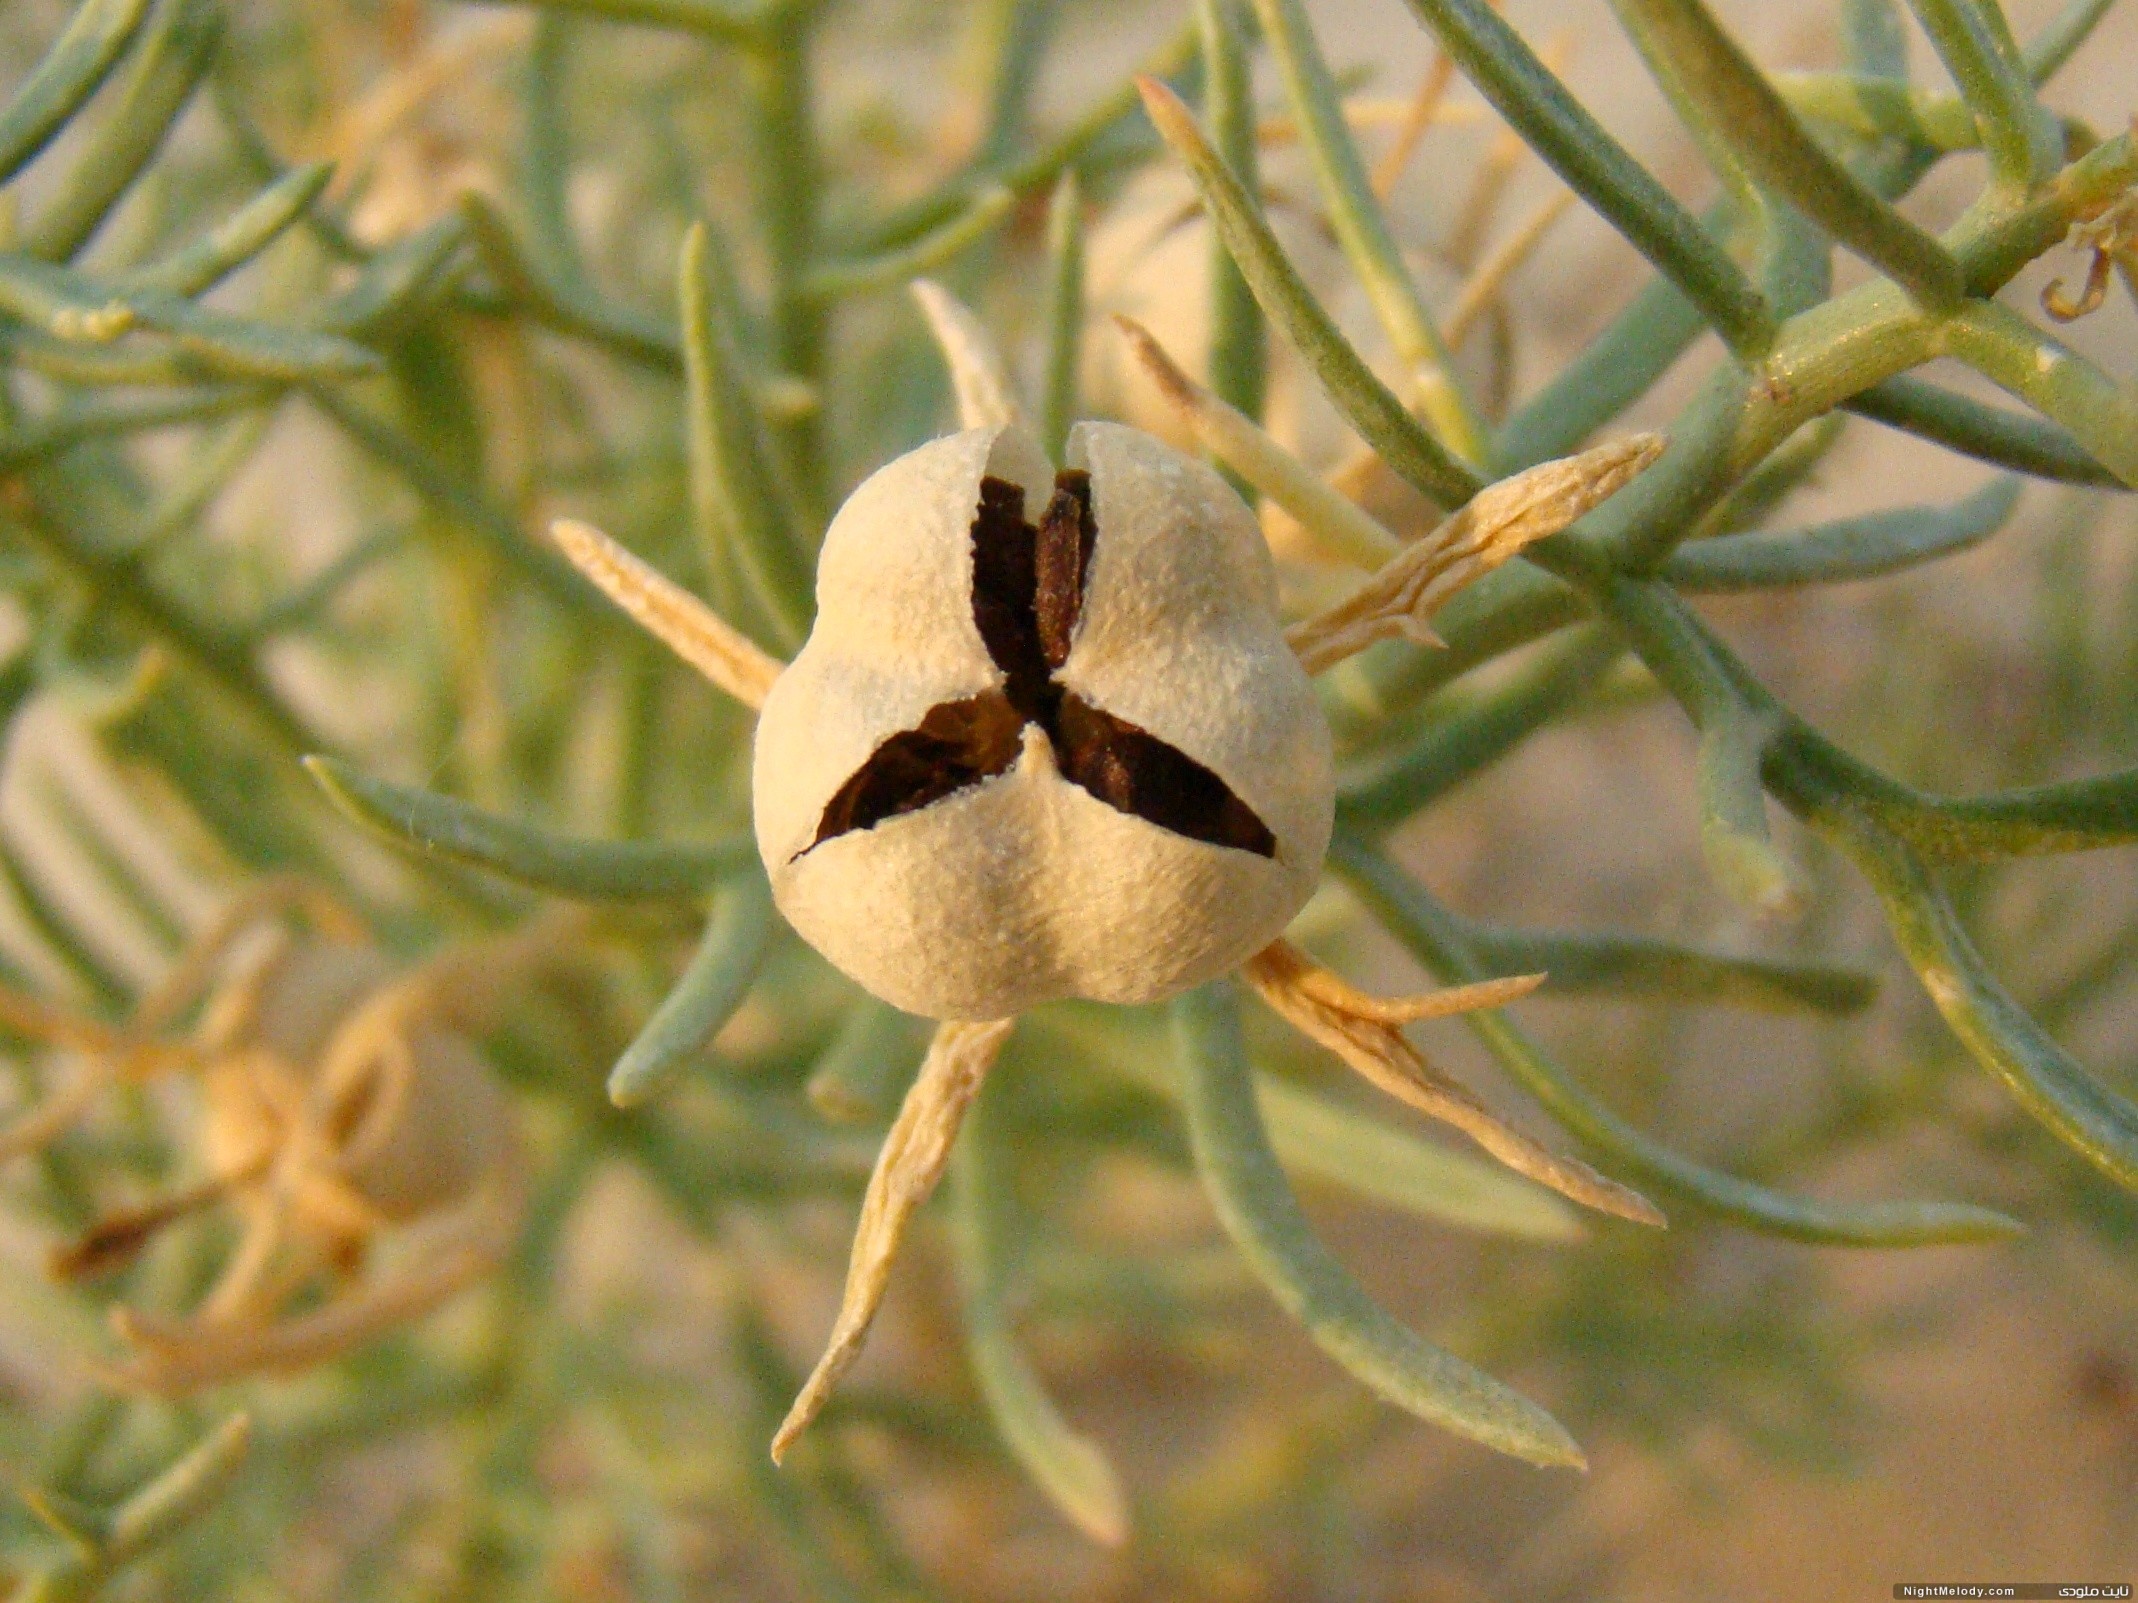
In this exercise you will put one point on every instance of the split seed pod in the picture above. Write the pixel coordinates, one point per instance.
(1018, 759)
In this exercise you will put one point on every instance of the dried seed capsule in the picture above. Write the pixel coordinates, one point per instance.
(1046, 738)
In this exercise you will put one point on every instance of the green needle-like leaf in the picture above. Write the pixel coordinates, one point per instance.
(1437, 940)
(1392, 785)
(739, 512)
(1071, 1469)
(1975, 43)
(237, 239)
(1362, 231)
(895, 268)
(1597, 168)
(1741, 109)
(2011, 353)
(1851, 548)
(714, 984)
(1620, 965)
(1364, 400)
(1065, 314)
(864, 1073)
(426, 825)
(1239, 344)
(1255, 1204)
(66, 77)
(2012, 440)
(158, 80)
(2051, 1085)
(1734, 832)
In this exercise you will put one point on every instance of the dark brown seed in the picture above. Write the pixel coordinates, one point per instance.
(1133, 770)
(1004, 579)
(1028, 593)
(1061, 561)
(958, 743)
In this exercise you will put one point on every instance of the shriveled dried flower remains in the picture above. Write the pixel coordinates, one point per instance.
(345, 1108)
(1024, 758)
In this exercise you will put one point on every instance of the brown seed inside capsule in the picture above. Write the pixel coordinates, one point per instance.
(1027, 598)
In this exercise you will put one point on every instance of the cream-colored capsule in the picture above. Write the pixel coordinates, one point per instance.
(1046, 738)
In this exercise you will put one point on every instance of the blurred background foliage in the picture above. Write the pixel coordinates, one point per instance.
(311, 317)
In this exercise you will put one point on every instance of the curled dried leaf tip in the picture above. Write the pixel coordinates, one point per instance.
(912, 1161)
(1366, 1032)
(2111, 235)
(678, 619)
(1496, 524)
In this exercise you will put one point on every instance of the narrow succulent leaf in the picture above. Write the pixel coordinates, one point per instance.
(2011, 353)
(1339, 1145)
(1015, 35)
(73, 305)
(713, 985)
(1336, 1143)
(2014, 440)
(427, 825)
(1065, 315)
(568, 306)
(1028, 174)
(40, 439)
(1396, 782)
(545, 152)
(914, 1156)
(68, 306)
(2071, 816)
(1071, 1469)
(1874, 38)
(1434, 937)
(1848, 549)
(66, 76)
(1366, 403)
(180, 1493)
(222, 661)
(158, 79)
(1673, 74)
(1733, 737)
(1362, 231)
(868, 1065)
(1255, 1204)
(736, 508)
(1618, 367)
(397, 282)
(987, 399)
(1597, 168)
(1345, 531)
(725, 21)
(1625, 965)
(238, 347)
(1738, 104)
(2024, 144)
(1239, 338)
(445, 490)
(1787, 469)
(2061, 36)
(1880, 108)
(845, 278)
(2048, 1082)
(238, 238)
